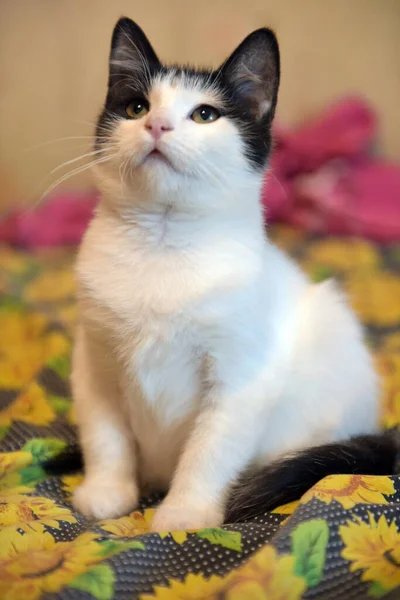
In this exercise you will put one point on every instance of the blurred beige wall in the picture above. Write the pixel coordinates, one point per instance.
(53, 56)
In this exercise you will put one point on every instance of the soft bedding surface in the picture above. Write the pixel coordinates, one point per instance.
(339, 541)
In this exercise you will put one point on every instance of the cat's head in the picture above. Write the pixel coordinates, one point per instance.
(172, 132)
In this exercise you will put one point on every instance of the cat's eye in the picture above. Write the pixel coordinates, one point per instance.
(137, 109)
(205, 114)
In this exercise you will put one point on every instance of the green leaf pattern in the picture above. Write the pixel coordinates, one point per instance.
(97, 581)
(309, 542)
(222, 537)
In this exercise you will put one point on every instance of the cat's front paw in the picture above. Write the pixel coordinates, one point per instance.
(100, 499)
(185, 518)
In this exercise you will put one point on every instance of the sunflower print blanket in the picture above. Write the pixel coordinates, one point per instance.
(341, 540)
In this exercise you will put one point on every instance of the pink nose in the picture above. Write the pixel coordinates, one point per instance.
(157, 126)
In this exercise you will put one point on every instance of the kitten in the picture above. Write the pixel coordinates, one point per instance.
(203, 353)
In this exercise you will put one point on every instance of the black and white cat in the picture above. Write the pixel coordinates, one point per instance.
(203, 353)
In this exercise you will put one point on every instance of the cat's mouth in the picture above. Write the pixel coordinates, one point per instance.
(158, 156)
(156, 153)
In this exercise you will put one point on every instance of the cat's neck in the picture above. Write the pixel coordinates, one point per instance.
(179, 226)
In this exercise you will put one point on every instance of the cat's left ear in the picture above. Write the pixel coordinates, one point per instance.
(253, 71)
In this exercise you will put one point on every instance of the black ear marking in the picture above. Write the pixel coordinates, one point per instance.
(253, 70)
(131, 51)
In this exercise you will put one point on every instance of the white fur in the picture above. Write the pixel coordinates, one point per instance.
(202, 349)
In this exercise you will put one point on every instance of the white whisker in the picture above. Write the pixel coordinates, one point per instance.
(56, 141)
(67, 176)
(82, 156)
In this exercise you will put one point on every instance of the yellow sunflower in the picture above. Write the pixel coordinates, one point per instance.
(391, 404)
(344, 255)
(136, 523)
(10, 465)
(31, 406)
(350, 490)
(266, 575)
(286, 509)
(68, 315)
(391, 342)
(25, 346)
(178, 536)
(20, 328)
(375, 297)
(373, 547)
(13, 261)
(70, 483)
(388, 365)
(17, 510)
(33, 564)
(195, 587)
(51, 285)
(19, 349)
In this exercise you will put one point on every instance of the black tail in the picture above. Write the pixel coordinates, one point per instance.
(288, 479)
(68, 461)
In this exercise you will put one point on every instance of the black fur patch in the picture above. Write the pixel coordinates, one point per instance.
(288, 479)
(241, 93)
(70, 460)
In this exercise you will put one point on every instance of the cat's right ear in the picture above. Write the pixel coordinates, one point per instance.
(131, 52)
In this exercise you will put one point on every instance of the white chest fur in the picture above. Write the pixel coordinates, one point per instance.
(158, 312)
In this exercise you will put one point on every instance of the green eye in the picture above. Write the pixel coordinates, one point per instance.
(137, 109)
(205, 114)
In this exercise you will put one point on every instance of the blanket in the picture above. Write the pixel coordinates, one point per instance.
(341, 540)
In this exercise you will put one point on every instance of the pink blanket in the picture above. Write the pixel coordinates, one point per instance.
(323, 178)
